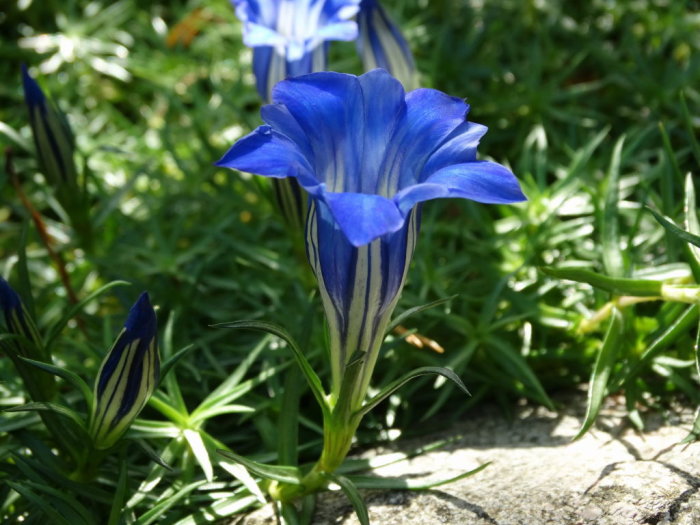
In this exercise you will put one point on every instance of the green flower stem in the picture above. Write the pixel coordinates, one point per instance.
(339, 427)
(88, 464)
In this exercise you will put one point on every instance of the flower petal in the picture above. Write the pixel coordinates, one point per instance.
(265, 152)
(258, 35)
(325, 107)
(458, 148)
(479, 181)
(362, 217)
(431, 116)
(384, 108)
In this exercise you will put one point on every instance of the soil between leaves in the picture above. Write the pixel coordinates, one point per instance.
(611, 476)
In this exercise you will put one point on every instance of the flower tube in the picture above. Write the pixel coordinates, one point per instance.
(128, 376)
(368, 154)
(381, 44)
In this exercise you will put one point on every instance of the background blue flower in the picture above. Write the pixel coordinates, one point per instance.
(381, 44)
(288, 36)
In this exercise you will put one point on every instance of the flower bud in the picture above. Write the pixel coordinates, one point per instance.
(128, 376)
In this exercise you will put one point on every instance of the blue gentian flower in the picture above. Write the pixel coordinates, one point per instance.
(367, 154)
(128, 376)
(52, 135)
(381, 44)
(289, 36)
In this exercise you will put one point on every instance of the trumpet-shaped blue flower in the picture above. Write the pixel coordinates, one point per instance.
(381, 44)
(367, 153)
(289, 36)
(128, 376)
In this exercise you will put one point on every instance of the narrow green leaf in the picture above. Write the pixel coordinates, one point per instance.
(115, 513)
(222, 508)
(73, 310)
(40, 502)
(200, 452)
(239, 472)
(692, 224)
(170, 381)
(516, 366)
(44, 406)
(675, 230)
(604, 364)
(284, 474)
(70, 377)
(288, 513)
(374, 482)
(694, 434)
(25, 285)
(167, 503)
(620, 286)
(353, 495)
(288, 424)
(395, 385)
(171, 361)
(309, 373)
(678, 328)
(613, 260)
(396, 321)
(173, 451)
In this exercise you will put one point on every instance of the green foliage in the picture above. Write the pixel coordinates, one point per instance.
(595, 107)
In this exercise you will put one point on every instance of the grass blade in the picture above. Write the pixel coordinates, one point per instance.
(602, 370)
(395, 385)
(353, 495)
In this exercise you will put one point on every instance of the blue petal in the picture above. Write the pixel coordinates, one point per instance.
(431, 116)
(325, 107)
(344, 30)
(480, 181)
(259, 35)
(384, 108)
(362, 217)
(458, 148)
(265, 152)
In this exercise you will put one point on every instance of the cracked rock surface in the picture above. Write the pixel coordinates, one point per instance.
(611, 476)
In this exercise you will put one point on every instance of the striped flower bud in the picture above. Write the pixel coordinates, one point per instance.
(52, 135)
(40, 385)
(127, 377)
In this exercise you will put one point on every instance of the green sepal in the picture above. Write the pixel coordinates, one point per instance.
(395, 385)
(283, 474)
(311, 377)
